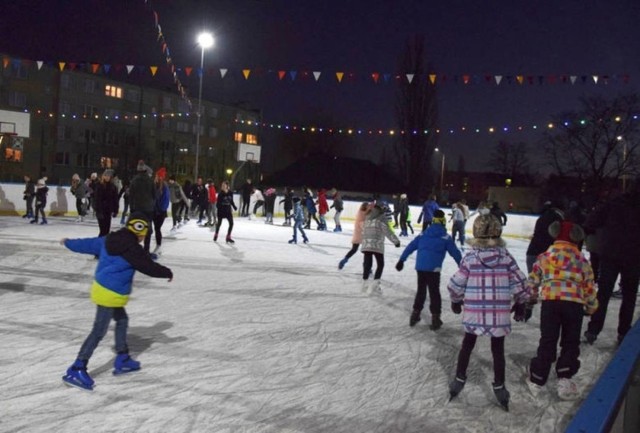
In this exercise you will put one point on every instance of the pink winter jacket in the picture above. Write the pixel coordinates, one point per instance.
(486, 281)
(358, 227)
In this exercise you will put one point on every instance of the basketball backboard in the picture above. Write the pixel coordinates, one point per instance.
(15, 122)
(249, 152)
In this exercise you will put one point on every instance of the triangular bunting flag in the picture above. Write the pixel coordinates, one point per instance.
(293, 75)
(246, 73)
(530, 79)
(5, 62)
(281, 74)
(199, 72)
(106, 68)
(465, 79)
(15, 63)
(72, 66)
(61, 65)
(375, 77)
(584, 79)
(316, 75)
(129, 69)
(432, 78)
(386, 77)
(410, 77)
(187, 70)
(95, 67)
(339, 76)
(223, 72)
(520, 79)
(498, 79)
(153, 69)
(595, 79)
(39, 63)
(573, 79)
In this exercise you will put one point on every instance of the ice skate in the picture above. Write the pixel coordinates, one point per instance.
(455, 387)
(415, 318)
(342, 263)
(44, 221)
(502, 395)
(567, 389)
(215, 237)
(34, 221)
(374, 288)
(365, 286)
(157, 250)
(436, 323)
(77, 376)
(229, 240)
(306, 240)
(293, 241)
(125, 364)
(590, 337)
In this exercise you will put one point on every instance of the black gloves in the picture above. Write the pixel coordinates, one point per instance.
(522, 312)
(399, 265)
(456, 307)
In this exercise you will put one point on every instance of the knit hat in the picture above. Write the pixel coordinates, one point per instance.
(296, 199)
(161, 173)
(41, 182)
(566, 231)
(138, 224)
(76, 176)
(487, 230)
(94, 175)
(108, 172)
(439, 217)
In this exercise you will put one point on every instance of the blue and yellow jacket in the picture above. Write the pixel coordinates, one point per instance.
(120, 256)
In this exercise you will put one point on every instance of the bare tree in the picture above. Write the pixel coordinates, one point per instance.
(597, 143)
(416, 112)
(510, 160)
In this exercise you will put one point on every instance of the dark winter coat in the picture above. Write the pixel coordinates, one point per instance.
(270, 203)
(120, 255)
(142, 194)
(105, 199)
(403, 209)
(247, 189)
(309, 203)
(41, 196)
(288, 201)
(200, 195)
(79, 189)
(225, 203)
(337, 204)
(541, 239)
(29, 189)
(499, 213)
(619, 224)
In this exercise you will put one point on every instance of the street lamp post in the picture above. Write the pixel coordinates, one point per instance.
(441, 170)
(624, 162)
(205, 40)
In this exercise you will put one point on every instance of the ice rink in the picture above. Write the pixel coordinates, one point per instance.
(260, 336)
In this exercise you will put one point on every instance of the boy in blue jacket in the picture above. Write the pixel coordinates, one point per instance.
(432, 245)
(120, 255)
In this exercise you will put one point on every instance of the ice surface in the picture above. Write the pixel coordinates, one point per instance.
(260, 336)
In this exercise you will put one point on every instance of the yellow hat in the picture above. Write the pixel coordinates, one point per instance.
(138, 224)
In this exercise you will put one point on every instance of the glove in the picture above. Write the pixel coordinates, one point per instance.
(398, 245)
(456, 307)
(519, 312)
(399, 265)
(528, 311)
(115, 214)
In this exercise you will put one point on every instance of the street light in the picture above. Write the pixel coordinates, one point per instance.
(229, 171)
(205, 40)
(441, 170)
(624, 162)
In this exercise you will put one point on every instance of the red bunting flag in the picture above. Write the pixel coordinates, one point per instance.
(188, 70)
(376, 77)
(95, 67)
(281, 74)
(466, 78)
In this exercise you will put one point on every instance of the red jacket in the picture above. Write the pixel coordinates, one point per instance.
(213, 195)
(323, 205)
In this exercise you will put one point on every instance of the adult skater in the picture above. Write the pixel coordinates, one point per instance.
(120, 255)
(105, 200)
(225, 203)
(29, 194)
(142, 197)
(428, 208)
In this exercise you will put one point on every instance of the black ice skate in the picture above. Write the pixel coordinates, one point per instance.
(502, 395)
(455, 387)
(415, 318)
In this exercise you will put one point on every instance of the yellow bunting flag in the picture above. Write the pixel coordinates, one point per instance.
(432, 78)
(154, 69)
(246, 73)
(520, 79)
(61, 65)
(339, 76)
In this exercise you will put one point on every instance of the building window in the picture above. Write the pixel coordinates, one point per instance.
(182, 127)
(17, 99)
(113, 91)
(65, 107)
(12, 148)
(19, 72)
(183, 107)
(62, 158)
(213, 132)
(252, 139)
(213, 112)
(65, 81)
(238, 137)
(88, 136)
(82, 160)
(89, 111)
(132, 95)
(64, 132)
(166, 103)
(108, 162)
(89, 86)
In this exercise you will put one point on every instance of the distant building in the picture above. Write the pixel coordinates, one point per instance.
(83, 122)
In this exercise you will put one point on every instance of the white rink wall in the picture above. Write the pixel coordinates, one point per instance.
(60, 202)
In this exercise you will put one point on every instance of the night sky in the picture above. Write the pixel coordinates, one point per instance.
(499, 37)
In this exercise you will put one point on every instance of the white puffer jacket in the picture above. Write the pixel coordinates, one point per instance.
(375, 229)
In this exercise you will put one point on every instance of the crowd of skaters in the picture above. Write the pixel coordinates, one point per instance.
(559, 277)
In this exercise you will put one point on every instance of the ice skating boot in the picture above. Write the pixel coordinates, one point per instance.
(415, 318)
(44, 221)
(125, 364)
(77, 376)
(567, 389)
(293, 241)
(215, 237)
(305, 240)
(365, 286)
(374, 288)
(229, 240)
(436, 323)
(33, 221)
(456, 386)
(342, 263)
(502, 395)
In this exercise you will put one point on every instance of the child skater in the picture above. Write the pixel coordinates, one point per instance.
(564, 278)
(41, 201)
(120, 255)
(298, 222)
(376, 227)
(356, 239)
(486, 281)
(225, 203)
(432, 245)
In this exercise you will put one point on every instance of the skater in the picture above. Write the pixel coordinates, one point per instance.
(247, 189)
(298, 222)
(160, 208)
(564, 279)
(270, 204)
(288, 205)
(356, 239)
(185, 206)
(120, 255)
(338, 205)
(396, 209)
(486, 281)
(323, 208)
(225, 203)
(432, 245)
(212, 211)
(258, 202)
(498, 213)
(541, 239)
(310, 205)
(29, 194)
(124, 196)
(79, 191)
(458, 220)
(199, 199)
(403, 212)
(41, 201)
(142, 197)
(428, 208)
(105, 201)
(179, 202)
(376, 227)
